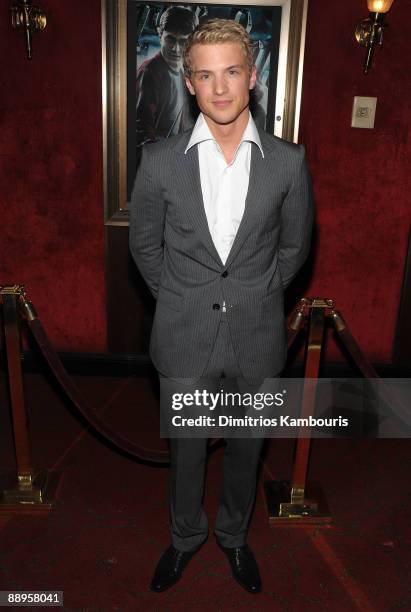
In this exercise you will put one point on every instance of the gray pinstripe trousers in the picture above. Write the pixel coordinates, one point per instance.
(189, 524)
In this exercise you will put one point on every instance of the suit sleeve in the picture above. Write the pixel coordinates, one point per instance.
(147, 219)
(297, 217)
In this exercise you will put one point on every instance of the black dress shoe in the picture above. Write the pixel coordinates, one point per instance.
(244, 567)
(170, 568)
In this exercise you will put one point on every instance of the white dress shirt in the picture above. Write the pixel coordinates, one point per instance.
(224, 186)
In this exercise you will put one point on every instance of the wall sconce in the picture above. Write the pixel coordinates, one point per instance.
(31, 18)
(369, 32)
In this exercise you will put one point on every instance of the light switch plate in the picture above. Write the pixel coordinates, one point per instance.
(363, 112)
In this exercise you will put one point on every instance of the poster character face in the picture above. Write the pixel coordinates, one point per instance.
(221, 81)
(172, 44)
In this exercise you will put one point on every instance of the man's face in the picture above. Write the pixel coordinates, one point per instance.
(172, 45)
(221, 81)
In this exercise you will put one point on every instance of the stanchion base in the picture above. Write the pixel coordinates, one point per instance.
(36, 500)
(282, 513)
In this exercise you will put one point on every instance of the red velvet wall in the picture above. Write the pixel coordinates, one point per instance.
(51, 197)
(361, 177)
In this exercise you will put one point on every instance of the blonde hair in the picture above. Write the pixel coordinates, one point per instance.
(217, 31)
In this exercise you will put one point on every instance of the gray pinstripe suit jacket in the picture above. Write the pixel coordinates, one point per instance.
(173, 249)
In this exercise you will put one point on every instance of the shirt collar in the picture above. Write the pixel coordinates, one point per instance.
(201, 132)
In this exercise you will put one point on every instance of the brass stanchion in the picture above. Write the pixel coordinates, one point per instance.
(24, 491)
(296, 502)
(290, 502)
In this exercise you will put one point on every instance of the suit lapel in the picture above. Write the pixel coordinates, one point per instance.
(187, 169)
(191, 197)
(257, 185)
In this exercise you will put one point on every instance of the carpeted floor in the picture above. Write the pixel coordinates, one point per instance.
(109, 523)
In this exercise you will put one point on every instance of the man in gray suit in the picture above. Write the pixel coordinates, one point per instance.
(221, 221)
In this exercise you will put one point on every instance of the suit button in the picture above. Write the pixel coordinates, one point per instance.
(216, 306)
(224, 274)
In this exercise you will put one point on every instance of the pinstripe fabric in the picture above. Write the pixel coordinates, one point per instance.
(171, 244)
